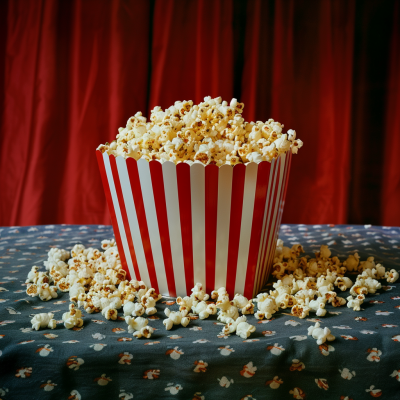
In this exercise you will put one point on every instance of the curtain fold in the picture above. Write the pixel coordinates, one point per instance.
(72, 73)
(390, 200)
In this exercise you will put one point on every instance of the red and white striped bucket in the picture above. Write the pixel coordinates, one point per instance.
(176, 225)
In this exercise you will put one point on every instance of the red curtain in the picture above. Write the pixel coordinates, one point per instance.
(72, 72)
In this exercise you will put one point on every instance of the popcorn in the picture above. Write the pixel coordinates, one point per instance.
(356, 302)
(227, 310)
(43, 320)
(322, 335)
(240, 326)
(266, 306)
(138, 326)
(391, 276)
(204, 310)
(72, 318)
(175, 318)
(211, 132)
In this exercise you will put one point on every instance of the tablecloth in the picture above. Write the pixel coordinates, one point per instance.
(278, 361)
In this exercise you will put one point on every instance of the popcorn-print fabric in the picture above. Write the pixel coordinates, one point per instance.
(279, 360)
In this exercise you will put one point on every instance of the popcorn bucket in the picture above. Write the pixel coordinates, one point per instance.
(176, 225)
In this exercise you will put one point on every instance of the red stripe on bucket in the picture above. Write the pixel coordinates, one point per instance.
(239, 173)
(111, 209)
(211, 210)
(133, 173)
(161, 210)
(185, 213)
(121, 202)
(256, 227)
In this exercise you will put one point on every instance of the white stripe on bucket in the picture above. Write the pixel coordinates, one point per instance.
(132, 219)
(118, 213)
(197, 192)
(174, 223)
(223, 222)
(152, 224)
(249, 194)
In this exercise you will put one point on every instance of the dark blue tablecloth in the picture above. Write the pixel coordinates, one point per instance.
(278, 361)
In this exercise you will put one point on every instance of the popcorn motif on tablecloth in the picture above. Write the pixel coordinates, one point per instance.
(374, 392)
(173, 388)
(225, 382)
(374, 355)
(297, 393)
(48, 386)
(200, 366)
(103, 380)
(24, 372)
(274, 383)
(345, 373)
(151, 374)
(45, 350)
(248, 370)
(174, 353)
(276, 349)
(396, 374)
(125, 358)
(74, 362)
(322, 383)
(297, 365)
(226, 350)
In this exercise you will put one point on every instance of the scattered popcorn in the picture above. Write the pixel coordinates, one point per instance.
(321, 335)
(211, 132)
(138, 326)
(175, 318)
(43, 320)
(240, 326)
(96, 281)
(72, 318)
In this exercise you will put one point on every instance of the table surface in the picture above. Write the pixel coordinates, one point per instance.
(102, 360)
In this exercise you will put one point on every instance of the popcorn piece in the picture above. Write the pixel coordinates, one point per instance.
(43, 320)
(227, 310)
(203, 309)
(175, 318)
(369, 264)
(300, 311)
(321, 335)
(266, 306)
(240, 326)
(72, 318)
(185, 303)
(198, 294)
(391, 276)
(343, 283)
(244, 305)
(33, 274)
(219, 293)
(352, 262)
(139, 327)
(110, 312)
(318, 306)
(355, 302)
(46, 292)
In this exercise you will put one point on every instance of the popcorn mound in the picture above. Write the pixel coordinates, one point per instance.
(96, 281)
(211, 132)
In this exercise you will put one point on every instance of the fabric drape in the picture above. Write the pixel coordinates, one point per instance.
(73, 72)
